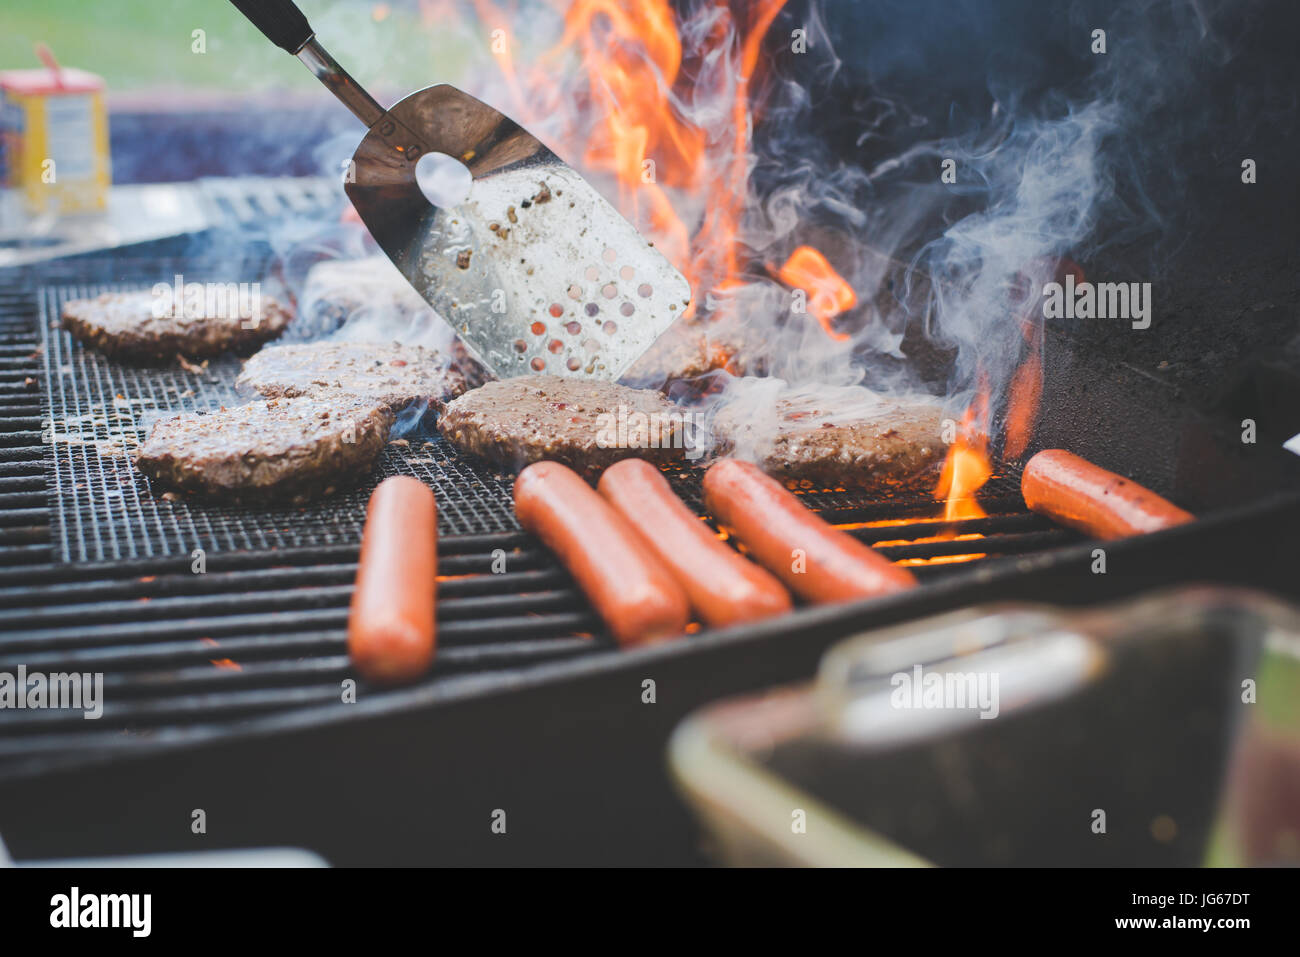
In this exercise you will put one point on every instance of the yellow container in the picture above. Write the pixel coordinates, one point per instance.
(54, 138)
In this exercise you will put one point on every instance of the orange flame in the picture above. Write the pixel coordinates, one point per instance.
(1025, 390)
(828, 293)
(631, 58)
(1022, 405)
(967, 466)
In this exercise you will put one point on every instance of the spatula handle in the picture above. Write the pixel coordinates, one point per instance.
(281, 21)
(286, 27)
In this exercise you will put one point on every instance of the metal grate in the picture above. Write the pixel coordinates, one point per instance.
(96, 571)
(24, 509)
(105, 510)
(186, 656)
(181, 652)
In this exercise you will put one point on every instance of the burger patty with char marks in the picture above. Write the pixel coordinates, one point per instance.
(585, 424)
(392, 374)
(123, 325)
(273, 450)
(847, 438)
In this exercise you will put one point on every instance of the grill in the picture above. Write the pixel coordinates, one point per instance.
(101, 573)
(223, 689)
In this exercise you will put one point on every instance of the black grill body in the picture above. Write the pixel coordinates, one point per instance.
(224, 689)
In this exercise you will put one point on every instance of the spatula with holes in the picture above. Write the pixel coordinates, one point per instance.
(523, 257)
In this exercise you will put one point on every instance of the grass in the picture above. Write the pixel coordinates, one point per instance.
(147, 44)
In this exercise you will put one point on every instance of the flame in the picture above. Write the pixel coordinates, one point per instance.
(1026, 387)
(828, 293)
(634, 74)
(926, 540)
(941, 560)
(1022, 405)
(967, 466)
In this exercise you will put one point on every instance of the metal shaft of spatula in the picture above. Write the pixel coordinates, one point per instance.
(530, 265)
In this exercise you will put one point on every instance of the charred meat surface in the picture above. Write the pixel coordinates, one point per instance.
(584, 424)
(834, 437)
(123, 325)
(685, 352)
(392, 374)
(274, 450)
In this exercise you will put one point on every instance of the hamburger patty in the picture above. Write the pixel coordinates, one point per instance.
(273, 450)
(834, 437)
(122, 325)
(584, 424)
(392, 374)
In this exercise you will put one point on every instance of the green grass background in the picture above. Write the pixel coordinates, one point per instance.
(146, 44)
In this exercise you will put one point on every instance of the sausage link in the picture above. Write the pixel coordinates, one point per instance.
(391, 621)
(818, 562)
(723, 587)
(1074, 492)
(635, 596)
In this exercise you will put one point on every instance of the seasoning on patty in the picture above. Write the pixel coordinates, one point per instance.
(273, 450)
(584, 424)
(123, 325)
(831, 436)
(391, 374)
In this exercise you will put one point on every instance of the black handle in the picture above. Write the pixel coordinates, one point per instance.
(281, 21)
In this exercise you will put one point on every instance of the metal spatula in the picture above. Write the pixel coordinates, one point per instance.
(534, 269)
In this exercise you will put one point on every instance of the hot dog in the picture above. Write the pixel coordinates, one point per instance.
(816, 561)
(723, 587)
(635, 596)
(1077, 493)
(391, 621)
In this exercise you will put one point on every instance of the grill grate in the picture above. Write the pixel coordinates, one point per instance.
(260, 633)
(96, 573)
(105, 510)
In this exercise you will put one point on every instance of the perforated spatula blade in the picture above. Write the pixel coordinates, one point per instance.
(533, 268)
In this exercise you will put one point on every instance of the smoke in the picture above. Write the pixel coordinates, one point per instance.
(943, 156)
(1070, 149)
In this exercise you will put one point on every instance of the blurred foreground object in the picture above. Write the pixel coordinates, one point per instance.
(1016, 735)
(54, 138)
